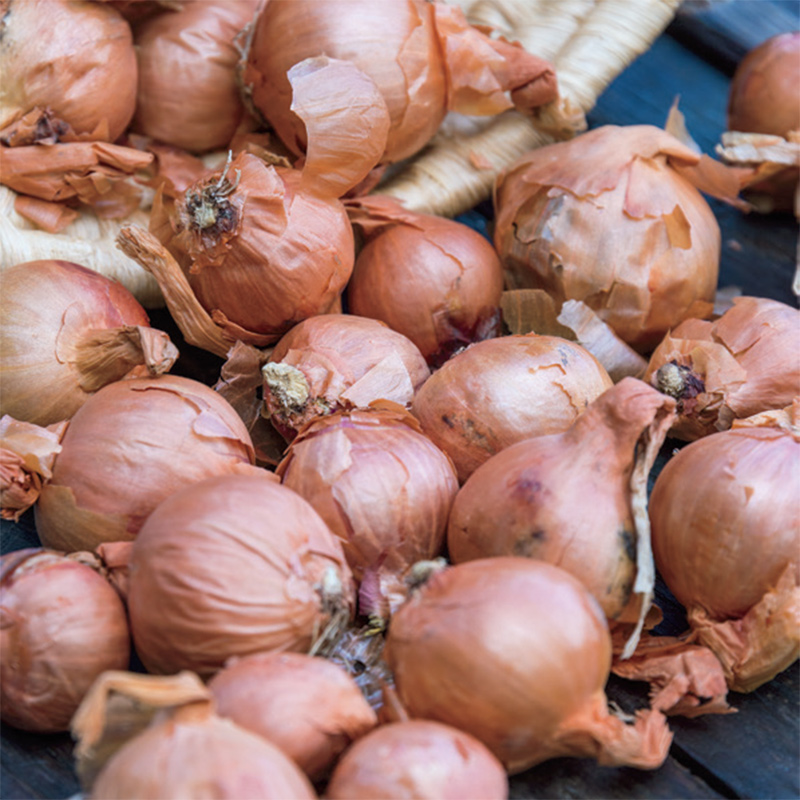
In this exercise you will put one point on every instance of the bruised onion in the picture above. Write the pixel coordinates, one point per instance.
(502, 390)
(576, 499)
(424, 58)
(337, 361)
(382, 487)
(418, 758)
(434, 279)
(725, 540)
(741, 364)
(129, 446)
(61, 625)
(611, 218)
(516, 653)
(187, 94)
(308, 706)
(72, 63)
(230, 566)
(66, 331)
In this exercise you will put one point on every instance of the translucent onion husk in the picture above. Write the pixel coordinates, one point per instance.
(338, 361)
(424, 58)
(73, 60)
(309, 707)
(187, 93)
(608, 219)
(383, 487)
(725, 540)
(502, 390)
(418, 758)
(576, 499)
(230, 566)
(741, 364)
(131, 445)
(64, 326)
(511, 644)
(61, 625)
(433, 279)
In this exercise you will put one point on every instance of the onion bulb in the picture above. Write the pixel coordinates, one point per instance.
(516, 653)
(61, 625)
(424, 58)
(129, 446)
(725, 540)
(337, 361)
(230, 566)
(502, 390)
(608, 218)
(418, 758)
(382, 487)
(72, 63)
(741, 364)
(187, 95)
(308, 706)
(576, 499)
(62, 325)
(433, 279)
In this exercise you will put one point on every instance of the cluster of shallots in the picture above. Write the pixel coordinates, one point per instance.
(401, 543)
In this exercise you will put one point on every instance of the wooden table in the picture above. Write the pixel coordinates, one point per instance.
(754, 753)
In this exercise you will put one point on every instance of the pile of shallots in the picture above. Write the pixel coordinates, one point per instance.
(399, 542)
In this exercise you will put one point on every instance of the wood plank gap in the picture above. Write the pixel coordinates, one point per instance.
(701, 772)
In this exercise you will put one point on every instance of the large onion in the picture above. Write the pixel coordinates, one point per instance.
(231, 566)
(607, 219)
(500, 391)
(129, 446)
(726, 541)
(383, 488)
(61, 625)
(516, 652)
(64, 326)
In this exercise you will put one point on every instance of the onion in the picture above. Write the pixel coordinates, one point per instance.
(334, 361)
(609, 219)
(72, 62)
(576, 499)
(741, 364)
(62, 325)
(309, 707)
(516, 653)
(61, 625)
(434, 279)
(230, 566)
(500, 391)
(418, 758)
(129, 446)
(187, 93)
(725, 540)
(424, 58)
(382, 487)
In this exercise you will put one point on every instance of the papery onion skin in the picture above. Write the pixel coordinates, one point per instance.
(62, 624)
(380, 484)
(418, 758)
(433, 279)
(75, 59)
(308, 706)
(187, 94)
(49, 310)
(515, 652)
(502, 390)
(605, 219)
(763, 95)
(333, 361)
(230, 566)
(197, 754)
(129, 446)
